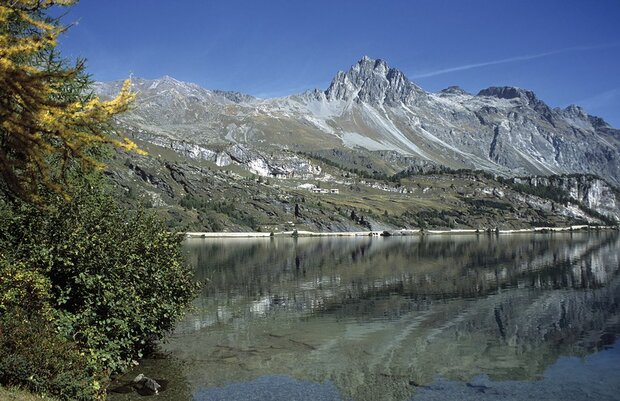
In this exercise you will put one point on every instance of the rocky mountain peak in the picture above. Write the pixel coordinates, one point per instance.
(454, 90)
(235, 97)
(527, 97)
(577, 113)
(168, 78)
(165, 84)
(168, 81)
(373, 81)
(573, 108)
(508, 92)
(368, 66)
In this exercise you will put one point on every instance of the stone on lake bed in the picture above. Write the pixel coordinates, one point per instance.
(145, 385)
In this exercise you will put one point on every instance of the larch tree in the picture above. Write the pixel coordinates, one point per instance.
(48, 115)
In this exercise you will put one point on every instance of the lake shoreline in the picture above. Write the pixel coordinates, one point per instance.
(397, 233)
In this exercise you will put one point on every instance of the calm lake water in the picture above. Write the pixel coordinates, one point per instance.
(400, 318)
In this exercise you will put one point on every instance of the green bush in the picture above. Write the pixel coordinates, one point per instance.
(32, 354)
(24, 288)
(118, 281)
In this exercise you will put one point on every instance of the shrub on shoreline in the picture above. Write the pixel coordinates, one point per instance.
(110, 282)
(32, 354)
(86, 286)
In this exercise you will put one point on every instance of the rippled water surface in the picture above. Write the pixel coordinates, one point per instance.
(433, 317)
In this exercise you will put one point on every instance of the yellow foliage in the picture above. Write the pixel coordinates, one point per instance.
(39, 124)
(23, 288)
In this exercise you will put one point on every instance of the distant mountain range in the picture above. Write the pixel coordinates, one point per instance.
(376, 111)
(394, 155)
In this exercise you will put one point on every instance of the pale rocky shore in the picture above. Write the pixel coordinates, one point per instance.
(300, 233)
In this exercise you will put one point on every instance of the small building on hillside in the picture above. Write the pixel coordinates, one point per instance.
(325, 191)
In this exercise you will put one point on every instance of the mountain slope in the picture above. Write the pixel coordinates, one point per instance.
(374, 108)
(194, 194)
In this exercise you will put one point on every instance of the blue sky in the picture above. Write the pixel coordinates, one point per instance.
(566, 51)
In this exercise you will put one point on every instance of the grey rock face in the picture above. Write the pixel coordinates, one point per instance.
(372, 81)
(590, 191)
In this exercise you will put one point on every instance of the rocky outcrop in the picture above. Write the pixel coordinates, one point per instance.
(150, 177)
(590, 191)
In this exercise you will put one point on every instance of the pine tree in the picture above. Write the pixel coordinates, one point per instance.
(47, 115)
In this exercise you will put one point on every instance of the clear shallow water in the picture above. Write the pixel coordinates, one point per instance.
(396, 318)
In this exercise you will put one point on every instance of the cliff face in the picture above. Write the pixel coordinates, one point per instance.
(590, 191)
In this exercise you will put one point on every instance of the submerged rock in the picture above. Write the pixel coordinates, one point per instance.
(145, 385)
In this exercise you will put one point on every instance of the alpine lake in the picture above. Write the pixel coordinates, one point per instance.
(432, 317)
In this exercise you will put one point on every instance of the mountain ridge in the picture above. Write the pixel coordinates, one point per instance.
(373, 107)
(501, 92)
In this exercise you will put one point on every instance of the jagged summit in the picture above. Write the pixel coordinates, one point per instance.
(373, 81)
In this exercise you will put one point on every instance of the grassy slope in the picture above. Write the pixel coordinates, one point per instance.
(205, 197)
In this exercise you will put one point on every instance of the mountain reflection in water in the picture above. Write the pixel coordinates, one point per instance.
(379, 317)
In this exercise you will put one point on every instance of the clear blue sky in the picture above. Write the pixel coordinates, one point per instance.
(567, 51)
